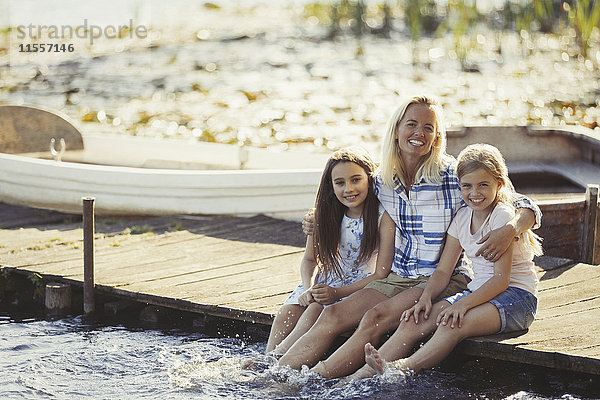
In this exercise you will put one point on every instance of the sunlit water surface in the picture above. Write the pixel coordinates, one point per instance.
(259, 73)
(69, 359)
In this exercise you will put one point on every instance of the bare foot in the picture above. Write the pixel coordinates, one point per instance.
(373, 359)
(402, 365)
(248, 363)
(321, 369)
(364, 372)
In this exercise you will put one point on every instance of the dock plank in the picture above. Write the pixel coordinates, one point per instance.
(564, 334)
(244, 268)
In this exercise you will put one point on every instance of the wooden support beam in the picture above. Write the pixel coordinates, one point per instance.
(591, 228)
(89, 303)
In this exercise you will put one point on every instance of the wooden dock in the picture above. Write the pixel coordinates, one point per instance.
(244, 268)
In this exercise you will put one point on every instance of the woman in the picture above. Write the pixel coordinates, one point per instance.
(418, 187)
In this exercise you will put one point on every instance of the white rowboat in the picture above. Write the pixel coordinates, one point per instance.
(140, 176)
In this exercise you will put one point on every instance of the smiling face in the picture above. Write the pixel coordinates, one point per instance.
(417, 131)
(351, 186)
(479, 190)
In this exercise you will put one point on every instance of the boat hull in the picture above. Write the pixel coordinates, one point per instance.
(142, 191)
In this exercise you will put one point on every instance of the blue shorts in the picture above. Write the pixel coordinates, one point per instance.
(517, 308)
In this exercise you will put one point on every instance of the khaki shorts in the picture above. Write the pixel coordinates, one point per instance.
(394, 284)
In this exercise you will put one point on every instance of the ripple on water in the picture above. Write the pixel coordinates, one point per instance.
(68, 359)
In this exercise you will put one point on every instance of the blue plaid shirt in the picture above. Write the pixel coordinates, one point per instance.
(422, 218)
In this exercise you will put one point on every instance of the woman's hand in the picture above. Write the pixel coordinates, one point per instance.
(308, 222)
(454, 315)
(324, 294)
(306, 298)
(496, 242)
(424, 305)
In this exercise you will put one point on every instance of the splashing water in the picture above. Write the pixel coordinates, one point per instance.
(68, 359)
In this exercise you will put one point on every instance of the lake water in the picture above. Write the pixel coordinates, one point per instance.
(264, 76)
(69, 359)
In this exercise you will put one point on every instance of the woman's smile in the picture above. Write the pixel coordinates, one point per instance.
(416, 132)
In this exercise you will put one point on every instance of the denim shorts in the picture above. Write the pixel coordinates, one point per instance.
(517, 308)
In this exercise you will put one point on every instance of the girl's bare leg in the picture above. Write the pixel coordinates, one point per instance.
(379, 320)
(481, 320)
(400, 344)
(333, 321)
(306, 321)
(285, 321)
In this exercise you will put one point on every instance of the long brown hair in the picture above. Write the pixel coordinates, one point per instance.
(330, 212)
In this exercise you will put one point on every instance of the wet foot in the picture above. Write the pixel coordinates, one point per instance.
(373, 359)
(320, 369)
(247, 363)
(365, 372)
(257, 364)
(273, 355)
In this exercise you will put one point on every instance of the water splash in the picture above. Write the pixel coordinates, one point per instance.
(68, 359)
(253, 375)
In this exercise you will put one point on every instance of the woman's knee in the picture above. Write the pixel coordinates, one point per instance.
(414, 332)
(377, 318)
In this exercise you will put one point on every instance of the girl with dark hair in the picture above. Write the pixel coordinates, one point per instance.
(352, 245)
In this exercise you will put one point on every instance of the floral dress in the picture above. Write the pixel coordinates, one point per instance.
(350, 238)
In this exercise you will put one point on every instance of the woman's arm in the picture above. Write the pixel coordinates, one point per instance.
(438, 281)
(490, 289)
(496, 242)
(385, 256)
(308, 222)
(307, 270)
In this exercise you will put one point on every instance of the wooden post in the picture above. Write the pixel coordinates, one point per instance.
(89, 303)
(58, 298)
(591, 229)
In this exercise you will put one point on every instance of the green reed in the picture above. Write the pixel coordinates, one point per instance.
(545, 12)
(585, 16)
(460, 18)
(463, 18)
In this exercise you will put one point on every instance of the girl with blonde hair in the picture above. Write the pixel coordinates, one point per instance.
(502, 295)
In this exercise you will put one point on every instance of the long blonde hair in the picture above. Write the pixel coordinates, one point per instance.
(437, 159)
(488, 157)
